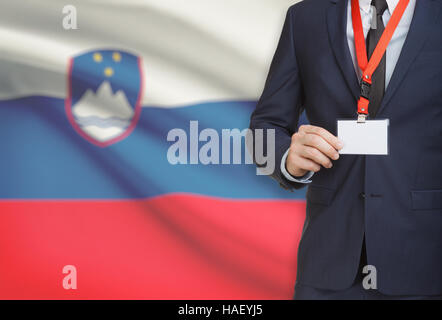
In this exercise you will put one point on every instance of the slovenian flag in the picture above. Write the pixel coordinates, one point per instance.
(85, 179)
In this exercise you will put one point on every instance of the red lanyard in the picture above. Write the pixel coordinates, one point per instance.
(369, 67)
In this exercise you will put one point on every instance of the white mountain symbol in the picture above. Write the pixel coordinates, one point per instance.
(103, 115)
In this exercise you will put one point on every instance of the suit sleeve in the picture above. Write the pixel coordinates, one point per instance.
(280, 105)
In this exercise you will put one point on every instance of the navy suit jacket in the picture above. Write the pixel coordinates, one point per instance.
(394, 200)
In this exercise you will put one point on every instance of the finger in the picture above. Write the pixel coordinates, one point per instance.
(326, 135)
(307, 164)
(321, 144)
(317, 156)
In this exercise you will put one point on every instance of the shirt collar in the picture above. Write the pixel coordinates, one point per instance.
(366, 4)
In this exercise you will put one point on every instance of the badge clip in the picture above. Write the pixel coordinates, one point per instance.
(362, 118)
(364, 100)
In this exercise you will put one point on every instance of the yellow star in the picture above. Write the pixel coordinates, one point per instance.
(116, 56)
(108, 72)
(97, 57)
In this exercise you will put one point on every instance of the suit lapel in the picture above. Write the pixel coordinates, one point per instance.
(337, 31)
(423, 19)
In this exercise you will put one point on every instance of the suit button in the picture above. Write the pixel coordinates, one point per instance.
(362, 195)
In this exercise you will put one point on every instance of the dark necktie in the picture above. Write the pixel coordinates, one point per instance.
(378, 79)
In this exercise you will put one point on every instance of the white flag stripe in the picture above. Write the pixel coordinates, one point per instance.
(193, 51)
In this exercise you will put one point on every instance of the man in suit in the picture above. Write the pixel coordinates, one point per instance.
(382, 211)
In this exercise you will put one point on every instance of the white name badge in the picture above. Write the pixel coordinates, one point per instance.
(370, 137)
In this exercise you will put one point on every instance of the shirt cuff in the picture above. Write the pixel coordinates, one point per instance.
(305, 179)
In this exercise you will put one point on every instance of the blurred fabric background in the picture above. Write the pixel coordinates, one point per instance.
(100, 194)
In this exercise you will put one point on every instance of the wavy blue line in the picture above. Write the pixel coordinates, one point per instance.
(43, 157)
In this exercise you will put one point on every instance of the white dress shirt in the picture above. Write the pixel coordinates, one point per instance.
(392, 55)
